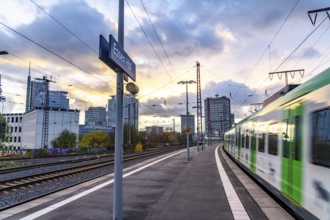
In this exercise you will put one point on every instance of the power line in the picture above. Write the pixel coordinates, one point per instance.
(286, 19)
(169, 61)
(76, 84)
(283, 61)
(145, 34)
(299, 45)
(311, 47)
(55, 54)
(165, 85)
(67, 29)
(263, 53)
(215, 75)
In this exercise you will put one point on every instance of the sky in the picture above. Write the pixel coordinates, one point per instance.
(236, 42)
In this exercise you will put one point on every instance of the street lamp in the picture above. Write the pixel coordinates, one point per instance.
(187, 130)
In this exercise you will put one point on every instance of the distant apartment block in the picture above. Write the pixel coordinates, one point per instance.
(14, 124)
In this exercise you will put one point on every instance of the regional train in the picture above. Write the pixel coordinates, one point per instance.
(286, 147)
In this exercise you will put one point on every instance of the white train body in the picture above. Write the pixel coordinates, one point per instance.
(286, 146)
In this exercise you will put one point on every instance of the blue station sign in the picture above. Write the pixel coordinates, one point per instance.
(115, 57)
(120, 57)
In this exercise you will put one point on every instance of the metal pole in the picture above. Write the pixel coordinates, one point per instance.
(129, 123)
(118, 182)
(187, 121)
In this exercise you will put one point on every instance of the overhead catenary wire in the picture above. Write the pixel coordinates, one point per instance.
(76, 85)
(160, 41)
(55, 54)
(268, 46)
(149, 41)
(165, 85)
(299, 45)
(62, 25)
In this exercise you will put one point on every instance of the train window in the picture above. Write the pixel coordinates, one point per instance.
(239, 143)
(242, 140)
(321, 137)
(253, 142)
(297, 137)
(286, 143)
(272, 143)
(247, 141)
(261, 142)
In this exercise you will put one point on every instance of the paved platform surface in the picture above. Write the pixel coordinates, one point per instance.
(162, 188)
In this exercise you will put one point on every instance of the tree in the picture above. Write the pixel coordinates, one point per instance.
(4, 129)
(131, 135)
(96, 138)
(65, 140)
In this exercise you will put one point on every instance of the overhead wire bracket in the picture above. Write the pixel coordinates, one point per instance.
(291, 72)
(313, 20)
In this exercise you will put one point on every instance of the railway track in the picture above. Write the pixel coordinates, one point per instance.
(61, 162)
(9, 187)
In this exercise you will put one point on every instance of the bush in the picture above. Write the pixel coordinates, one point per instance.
(41, 153)
(139, 148)
(8, 164)
(29, 153)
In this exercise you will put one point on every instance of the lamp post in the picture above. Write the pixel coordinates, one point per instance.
(187, 113)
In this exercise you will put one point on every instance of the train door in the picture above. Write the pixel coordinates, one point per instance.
(253, 152)
(291, 181)
(239, 143)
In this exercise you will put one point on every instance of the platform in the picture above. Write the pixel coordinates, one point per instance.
(209, 186)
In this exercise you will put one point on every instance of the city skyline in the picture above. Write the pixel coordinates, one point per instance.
(236, 43)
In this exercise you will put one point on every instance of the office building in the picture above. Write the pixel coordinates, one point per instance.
(58, 121)
(191, 123)
(155, 129)
(130, 113)
(96, 116)
(217, 116)
(35, 97)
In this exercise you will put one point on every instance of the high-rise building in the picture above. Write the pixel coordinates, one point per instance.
(232, 119)
(217, 116)
(26, 130)
(131, 111)
(96, 116)
(156, 129)
(35, 96)
(191, 123)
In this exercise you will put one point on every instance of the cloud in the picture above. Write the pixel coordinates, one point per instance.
(80, 19)
(237, 92)
(310, 53)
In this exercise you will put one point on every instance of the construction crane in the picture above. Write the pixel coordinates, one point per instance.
(45, 107)
(2, 98)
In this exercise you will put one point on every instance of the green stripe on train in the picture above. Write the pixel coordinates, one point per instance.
(291, 158)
